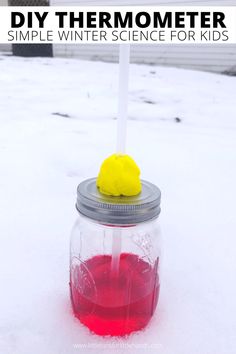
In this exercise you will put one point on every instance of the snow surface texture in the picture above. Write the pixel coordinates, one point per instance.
(57, 124)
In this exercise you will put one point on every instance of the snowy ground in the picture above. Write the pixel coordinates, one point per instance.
(57, 124)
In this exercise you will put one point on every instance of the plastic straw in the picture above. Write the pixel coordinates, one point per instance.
(116, 251)
(123, 98)
(121, 141)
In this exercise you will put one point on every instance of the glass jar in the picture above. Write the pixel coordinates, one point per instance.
(115, 259)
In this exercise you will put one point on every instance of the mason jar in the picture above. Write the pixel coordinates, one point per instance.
(115, 259)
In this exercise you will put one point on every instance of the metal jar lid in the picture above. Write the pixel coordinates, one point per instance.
(118, 210)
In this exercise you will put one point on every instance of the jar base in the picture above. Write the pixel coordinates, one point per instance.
(114, 305)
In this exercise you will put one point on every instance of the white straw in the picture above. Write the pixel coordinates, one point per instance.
(123, 97)
(116, 251)
(121, 142)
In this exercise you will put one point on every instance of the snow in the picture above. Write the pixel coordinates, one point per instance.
(57, 124)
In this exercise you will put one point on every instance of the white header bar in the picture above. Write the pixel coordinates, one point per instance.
(118, 24)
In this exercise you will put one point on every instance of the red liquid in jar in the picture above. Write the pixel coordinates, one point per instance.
(114, 304)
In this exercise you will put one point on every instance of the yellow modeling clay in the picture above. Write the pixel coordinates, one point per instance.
(119, 175)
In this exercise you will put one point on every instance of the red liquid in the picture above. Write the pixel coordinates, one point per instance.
(110, 304)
